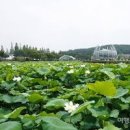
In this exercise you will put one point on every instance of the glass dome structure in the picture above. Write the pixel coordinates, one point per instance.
(66, 58)
(104, 53)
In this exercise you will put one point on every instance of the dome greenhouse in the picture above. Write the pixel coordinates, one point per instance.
(66, 58)
(105, 53)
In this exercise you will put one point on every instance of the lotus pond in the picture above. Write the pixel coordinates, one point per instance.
(64, 96)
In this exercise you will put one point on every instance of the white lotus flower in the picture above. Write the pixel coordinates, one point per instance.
(9, 64)
(71, 67)
(87, 72)
(70, 71)
(17, 79)
(70, 107)
(45, 77)
(82, 66)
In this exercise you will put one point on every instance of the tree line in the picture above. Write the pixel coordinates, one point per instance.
(27, 52)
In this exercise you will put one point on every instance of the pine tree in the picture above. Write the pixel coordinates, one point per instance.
(16, 46)
(12, 49)
(2, 51)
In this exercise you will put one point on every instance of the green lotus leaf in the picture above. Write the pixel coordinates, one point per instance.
(105, 88)
(54, 123)
(55, 104)
(10, 125)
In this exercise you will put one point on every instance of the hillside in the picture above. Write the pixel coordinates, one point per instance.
(86, 53)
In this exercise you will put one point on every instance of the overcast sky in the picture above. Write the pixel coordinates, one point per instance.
(64, 24)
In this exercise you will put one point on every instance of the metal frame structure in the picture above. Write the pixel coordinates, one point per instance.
(104, 53)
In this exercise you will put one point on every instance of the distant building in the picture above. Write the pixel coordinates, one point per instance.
(66, 58)
(124, 57)
(11, 57)
(104, 53)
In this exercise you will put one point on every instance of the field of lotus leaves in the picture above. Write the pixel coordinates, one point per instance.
(64, 96)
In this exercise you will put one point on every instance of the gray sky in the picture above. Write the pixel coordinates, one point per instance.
(64, 24)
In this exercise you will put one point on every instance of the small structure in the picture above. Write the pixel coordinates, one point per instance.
(66, 58)
(104, 53)
(11, 57)
(124, 57)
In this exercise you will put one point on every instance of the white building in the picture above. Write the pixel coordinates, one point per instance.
(11, 57)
